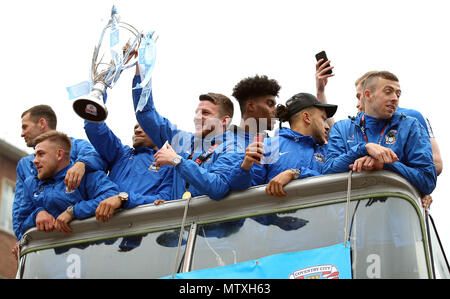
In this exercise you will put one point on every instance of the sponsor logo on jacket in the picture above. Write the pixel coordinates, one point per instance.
(154, 167)
(319, 157)
(391, 137)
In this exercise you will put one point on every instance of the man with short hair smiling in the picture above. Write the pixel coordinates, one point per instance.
(202, 164)
(381, 138)
(47, 202)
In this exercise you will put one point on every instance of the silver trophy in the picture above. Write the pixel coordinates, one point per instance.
(108, 62)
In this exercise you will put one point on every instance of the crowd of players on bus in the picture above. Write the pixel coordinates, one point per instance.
(68, 178)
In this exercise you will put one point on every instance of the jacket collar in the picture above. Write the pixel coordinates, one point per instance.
(395, 119)
(238, 132)
(143, 149)
(295, 136)
(60, 175)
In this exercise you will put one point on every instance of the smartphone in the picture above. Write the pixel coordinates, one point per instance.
(323, 55)
(259, 138)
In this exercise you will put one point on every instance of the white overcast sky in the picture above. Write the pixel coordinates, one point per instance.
(209, 45)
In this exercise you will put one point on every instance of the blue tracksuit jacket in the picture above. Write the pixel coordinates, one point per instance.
(287, 149)
(82, 151)
(50, 195)
(131, 169)
(212, 178)
(416, 114)
(239, 140)
(403, 134)
(295, 150)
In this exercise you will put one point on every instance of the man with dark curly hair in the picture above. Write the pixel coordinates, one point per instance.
(257, 100)
(256, 96)
(295, 152)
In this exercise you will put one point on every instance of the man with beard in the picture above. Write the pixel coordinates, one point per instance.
(295, 152)
(202, 164)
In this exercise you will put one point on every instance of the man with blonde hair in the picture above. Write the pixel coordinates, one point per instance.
(437, 159)
(40, 119)
(361, 85)
(381, 138)
(47, 203)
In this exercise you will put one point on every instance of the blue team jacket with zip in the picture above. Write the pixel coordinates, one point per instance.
(212, 177)
(82, 151)
(133, 170)
(50, 195)
(403, 134)
(286, 150)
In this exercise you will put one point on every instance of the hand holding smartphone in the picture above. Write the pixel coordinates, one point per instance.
(323, 55)
(253, 153)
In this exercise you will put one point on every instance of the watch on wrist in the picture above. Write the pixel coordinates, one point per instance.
(176, 161)
(123, 196)
(295, 173)
(69, 210)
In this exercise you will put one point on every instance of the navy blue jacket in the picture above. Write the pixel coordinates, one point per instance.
(403, 134)
(50, 195)
(131, 169)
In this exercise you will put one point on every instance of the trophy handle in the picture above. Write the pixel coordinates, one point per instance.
(135, 45)
(109, 75)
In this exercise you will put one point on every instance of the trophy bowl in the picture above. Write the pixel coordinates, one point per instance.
(91, 107)
(116, 51)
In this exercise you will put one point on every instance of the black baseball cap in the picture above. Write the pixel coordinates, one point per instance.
(301, 101)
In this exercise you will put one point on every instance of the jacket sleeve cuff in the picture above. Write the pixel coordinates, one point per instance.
(362, 150)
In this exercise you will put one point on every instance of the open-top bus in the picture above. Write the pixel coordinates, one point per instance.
(380, 217)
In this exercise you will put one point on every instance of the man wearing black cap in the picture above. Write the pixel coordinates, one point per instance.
(295, 152)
